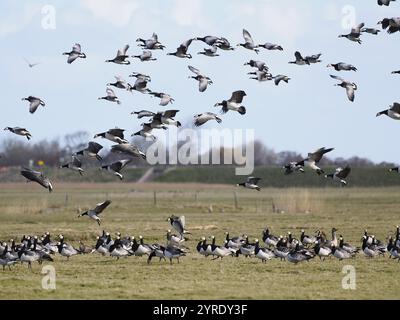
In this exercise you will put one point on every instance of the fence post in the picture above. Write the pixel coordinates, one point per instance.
(155, 198)
(235, 199)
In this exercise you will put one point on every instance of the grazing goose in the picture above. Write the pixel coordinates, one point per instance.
(75, 164)
(293, 167)
(297, 255)
(340, 175)
(224, 44)
(93, 213)
(210, 52)
(165, 98)
(279, 78)
(384, 2)
(372, 250)
(202, 118)
(145, 132)
(120, 83)
(210, 40)
(128, 149)
(354, 34)
(251, 183)
(260, 75)
(300, 61)
(322, 251)
(91, 151)
(370, 31)
(38, 177)
(203, 80)
(111, 96)
(115, 135)
(392, 24)
(75, 53)
(313, 158)
(348, 85)
(260, 65)
(138, 75)
(393, 111)
(269, 239)
(151, 44)
(249, 43)
(167, 118)
(340, 253)
(34, 103)
(143, 113)
(306, 239)
(394, 251)
(347, 247)
(31, 65)
(121, 56)
(19, 131)
(178, 223)
(145, 56)
(116, 167)
(341, 66)
(270, 46)
(263, 253)
(314, 58)
(28, 256)
(6, 262)
(66, 251)
(181, 51)
(234, 103)
(167, 252)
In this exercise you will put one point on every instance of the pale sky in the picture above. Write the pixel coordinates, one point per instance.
(302, 116)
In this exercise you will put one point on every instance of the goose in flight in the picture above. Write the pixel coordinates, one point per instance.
(143, 113)
(91, 151)
(248, 42)
(384, 2)
(128, 149)
(260, 75)
(139, 75)
(120, 83)
(279, 78)
(313, 158)
(270, 46)
(299, 59)
(393, 111)
(34, 103)
(75, 164)
(178, 223)
(202, 118)
(165, 98)
(75, 53)
(350, 87)
(234, 103)
(210, 52)
(167, 117)
(370, 31)
(313, 58)
(114, 135)
(19, 131)
(210, 40)
(151, 44)
(341, 66)
(31, 65)
(340, 175)
(354, 34)
(121, 56)
(140, 86)
(251, 183)
(260, 65)
(94, 213)
(293, 167)
(156, 123)
(391, 24)
(117, 166)
(145, 56)
(37, 177)
(111, 96)
(181, 51)
(145, 132)
(203, 80)
(224, 44)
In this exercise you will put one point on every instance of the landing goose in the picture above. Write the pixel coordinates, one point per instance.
(370, 31)
(313, 158)
(121, 56)
(178, 223)
(391, 24)
(224, 44)
(340, 175)
(34, 103)
(263, 254)
(210, 40)
(91, 150)
(354, 34)
(93, 213)
(37, 177)
(120, 83)
(165, 98)
(293, 167)
(270, 46)
(181, 51)
(203, 80)
(348, 85)
(145, 132)
(249, 43)
(251, 183)
(341, 66)
(74, 164)
(384, 2)
(299, 59)
(260, 75)
(117, 166)
(210, 52)
(75, 53)
(111, 96)
(167, 118)
(234, 103)
(19, 131)
(128, 149)
(279, 78)
(260, 65)
(143, 113)
(145, 56)
(393, 111)
(202, 118)
(151, 44)
(114, 135)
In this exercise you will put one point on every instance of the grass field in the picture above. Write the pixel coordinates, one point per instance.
(29, 209)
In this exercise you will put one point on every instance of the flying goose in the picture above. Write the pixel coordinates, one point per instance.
(202, 118)
(143, 113)
(384, 2)
(75, 53)
(178, 223)
(145, 132)
(75, 164)
(279, 78)
(174, 240)
(251, 183)
(293, 167)
(391, 24)
(114, 135)
(139, 75)
(354, 34)
(120, 83)
(145, 56)
(38, 177)
(349, 86)
(340, 175)
(299, 59)
(203, 80)
(19, 131)
(260, 65)
(313, 158)
(93, 213)
(370, 31)
(167, 117)
(181, 51)
(128, 149)
(165, 98)
(117, 167)
(314, 58)
(210, 52)
(140, 85)
(151, 44)
(248, 42)
(224, 44)
(31, 65)
(341, 66)
(91, 150)
(234, 103)
(34, 103)
(210, 40)
(260, 75)
(270, 46)
(110, 96)
(121, 56)
(155, 123)
(393, 111)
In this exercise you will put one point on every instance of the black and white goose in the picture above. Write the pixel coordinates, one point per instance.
(234, 242)
(116, 249)
(300, 61)
(234, 103)
(167, 118)
(175, 240)
(151, 44)
(120, 83)
(292, 167)
(140, 85)
(115, 135)
(155, 123)
(66, 251)
(37, 177)
(306, 239)
(202, 118)
(100, 247)
(340, 253)
(93, 213)
(178, 223)
(263, 254)
(27, 256)
(281, 249)
(391, 24)
(210, 40)
(394, 251)
(313, 158)
(370, 31)
(384, 2)
(74, 164)
(91, 151)
(397, 239)
(251, 183)
(121, 57)
(393, 111)
(248, 42)
(270, 46)
(111, 96)
(141, 249)
(260, 76)
(209, 52)
(350, 87)
(347, 247)
(181, 51)
(247, 248)
(19, 131)
(322, 251)
(280, 77)
(342, 66)
(260, 65)
(143, 113)
(354, 34)
(297, 254)
(34, 103)
(202, 247)
(75, 53)
(314, 58)
(139, 75)
(116, 167)
(165, 98)
(145, 132)
(372, 250)
(269, 239)
(167, 253)
(340, 175)
(145, 56)
(128, 149)
(224, 44)
(203, 80)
